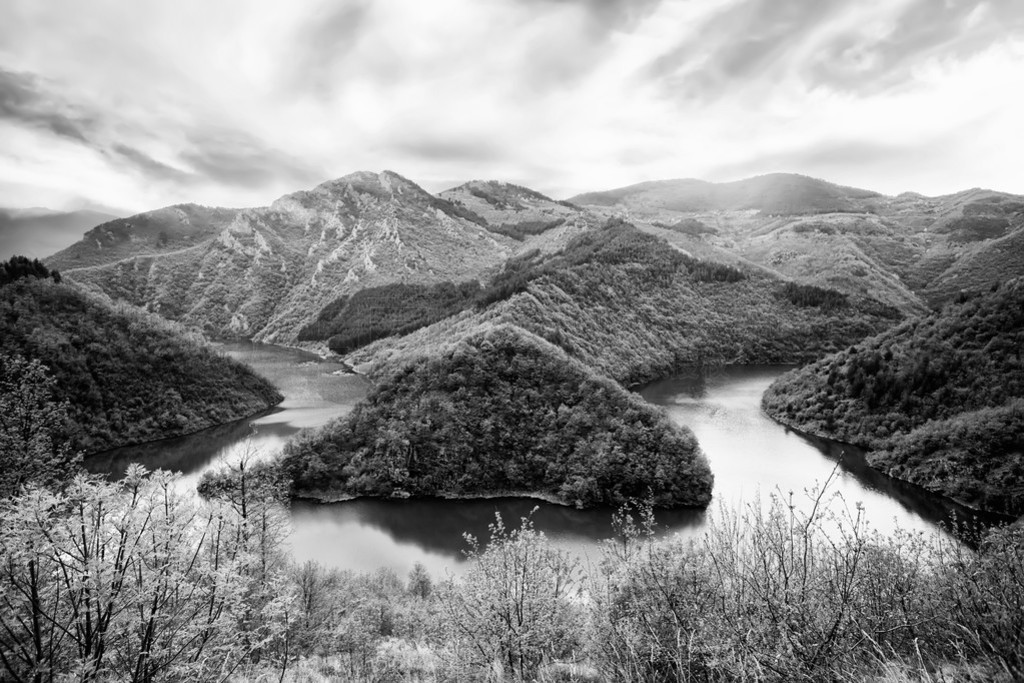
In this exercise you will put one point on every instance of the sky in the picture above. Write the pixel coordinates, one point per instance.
(141, 104)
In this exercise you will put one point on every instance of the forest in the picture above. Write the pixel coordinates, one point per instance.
(126, 376)
(937, 399)
(351, 322)
(376, 312)
(632, 307)
(501, 412)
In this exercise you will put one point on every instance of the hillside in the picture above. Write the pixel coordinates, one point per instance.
(938, 399)
(38, 232)
(266, 273)
(511, 210)
(167, 230)
(629, 305)
(501, 411)
(129, 377)
(909, 251)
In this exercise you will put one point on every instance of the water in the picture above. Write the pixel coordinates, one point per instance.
(750, 455)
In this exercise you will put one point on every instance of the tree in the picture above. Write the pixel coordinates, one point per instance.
(131, 581)
(513, 609)
(34, 428)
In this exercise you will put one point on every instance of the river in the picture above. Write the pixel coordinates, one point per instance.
(750, 455)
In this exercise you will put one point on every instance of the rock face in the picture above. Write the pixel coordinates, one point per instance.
(265, 273)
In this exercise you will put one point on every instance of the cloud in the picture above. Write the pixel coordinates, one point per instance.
(239, 101)
(150, 168)
(859, 58)
(238, 159)
(331, 32)
(23, 99)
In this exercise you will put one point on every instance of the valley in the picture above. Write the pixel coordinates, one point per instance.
(636, 283)
(661, 383)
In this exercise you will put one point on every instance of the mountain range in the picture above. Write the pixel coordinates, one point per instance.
(630, 284)
(266, 273)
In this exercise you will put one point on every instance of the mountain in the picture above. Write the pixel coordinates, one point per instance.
(632, 307)
(37, 232)
(159, 232)
(128, 376)
(773, 194)
(266, 273)
(511, 210)
(909, 251)
(501, 411)
(938, 399)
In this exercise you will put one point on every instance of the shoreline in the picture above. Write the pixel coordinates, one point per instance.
(269, 410)
(997, 518)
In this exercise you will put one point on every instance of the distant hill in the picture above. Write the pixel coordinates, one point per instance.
(266, 273)
(774, 194)
(634, 308)
(511, 210)
(129, 377)
(939, 399)
(501, 411)
(38, 232)
(152, 233)
(331, 262)
(909, 251)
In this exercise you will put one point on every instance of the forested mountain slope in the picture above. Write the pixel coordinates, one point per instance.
(501, 411)
(128, 376)
(940, 399)
(634, 308)
(266, 273)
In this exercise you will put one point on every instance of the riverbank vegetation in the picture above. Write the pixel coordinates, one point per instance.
(501, 411)
(126, 376)
(138, 581)
(940, 399)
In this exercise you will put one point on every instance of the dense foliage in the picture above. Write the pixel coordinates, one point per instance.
(351, 322)
(689, 226)
(34, 428)
(811, 295)
(976, 457)
(501, 411)
(18, 267)
(522, 229)
(922, 393)
(127, 376)
(370, 314)
(137, 581)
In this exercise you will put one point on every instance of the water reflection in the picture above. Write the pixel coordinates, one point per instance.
(752, 456)
(315, 392)
(432, 531)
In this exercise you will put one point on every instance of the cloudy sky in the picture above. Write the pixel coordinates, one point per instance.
(144, 103)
